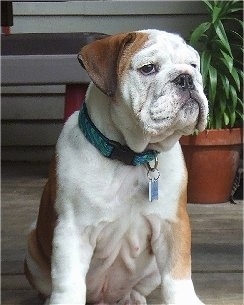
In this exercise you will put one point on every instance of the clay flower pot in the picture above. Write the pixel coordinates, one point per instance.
(212, 158)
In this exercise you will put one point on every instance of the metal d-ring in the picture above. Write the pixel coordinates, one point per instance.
(151, 169)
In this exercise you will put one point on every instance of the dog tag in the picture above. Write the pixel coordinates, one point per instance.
(153, 175)
(153, 189)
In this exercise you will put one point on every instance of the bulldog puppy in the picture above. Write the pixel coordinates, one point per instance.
(112, 223)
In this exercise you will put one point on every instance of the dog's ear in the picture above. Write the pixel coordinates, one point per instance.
(100, 59)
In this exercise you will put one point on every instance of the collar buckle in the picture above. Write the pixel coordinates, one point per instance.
(122, 153)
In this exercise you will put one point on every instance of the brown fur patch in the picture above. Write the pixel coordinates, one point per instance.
(40, 260)
(40, 239)
(47, 216)
(181, 251)
(102, 58)
(130, 51)
(28, 275)
(36, 254)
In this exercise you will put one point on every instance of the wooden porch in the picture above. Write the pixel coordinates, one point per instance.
(217, 231)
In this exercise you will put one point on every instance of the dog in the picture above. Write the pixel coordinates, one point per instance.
(112, 223)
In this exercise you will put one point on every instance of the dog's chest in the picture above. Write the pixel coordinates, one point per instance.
(100, 190)
(122, 256)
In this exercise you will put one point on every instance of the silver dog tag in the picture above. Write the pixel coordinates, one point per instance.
(153, 189)
(153, 175)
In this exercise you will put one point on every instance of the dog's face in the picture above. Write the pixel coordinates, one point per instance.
(154, 80)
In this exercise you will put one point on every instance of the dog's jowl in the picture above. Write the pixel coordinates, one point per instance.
(112, 224)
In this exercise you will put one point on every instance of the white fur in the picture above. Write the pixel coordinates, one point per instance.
(106, 223)
(179, 291)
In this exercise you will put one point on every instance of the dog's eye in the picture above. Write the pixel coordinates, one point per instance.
(148, 69)
(194, 65)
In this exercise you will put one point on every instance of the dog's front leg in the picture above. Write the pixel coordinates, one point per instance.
(176, 284)
(71, 257)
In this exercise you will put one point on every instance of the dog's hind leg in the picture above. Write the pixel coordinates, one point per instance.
(37, 269)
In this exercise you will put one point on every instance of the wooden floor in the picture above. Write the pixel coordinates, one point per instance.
(217, 251)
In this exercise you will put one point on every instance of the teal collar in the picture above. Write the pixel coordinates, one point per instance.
(109, 148)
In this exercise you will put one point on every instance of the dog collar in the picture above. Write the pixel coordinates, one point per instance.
(108, 148)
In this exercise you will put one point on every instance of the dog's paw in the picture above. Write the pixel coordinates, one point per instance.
(133, 298)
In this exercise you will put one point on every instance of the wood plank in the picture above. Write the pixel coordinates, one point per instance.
(43, 107)
(52, 69)
(219, 288)
(20, 297)
(109, 24)
(15, 281)
(38, 89)
(107, 8)
(28, 153)
(30, 133)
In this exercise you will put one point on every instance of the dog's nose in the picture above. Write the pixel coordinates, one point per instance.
(185, 81)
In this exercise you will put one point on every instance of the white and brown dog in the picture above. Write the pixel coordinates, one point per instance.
(100, 237)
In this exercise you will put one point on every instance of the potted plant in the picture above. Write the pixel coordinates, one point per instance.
(217, 150)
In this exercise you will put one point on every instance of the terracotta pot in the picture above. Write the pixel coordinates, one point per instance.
(212, 158)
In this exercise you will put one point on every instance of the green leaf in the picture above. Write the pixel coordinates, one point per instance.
(237, 35)
(226, 7)
(198, 32)
(226, 119)
(209, 5)
(218, 45)
(216, 14)
(236, 78)
(225, 84)
(212, 82)
(240, 72)
(232, 119)
(218, 120)
(226, 64)
(210, 122)
(205, 62)
(220, 31)
(222, 102)
(234, 73)
(240, 106)
(240, 102)
(229, 7)
(233, 96)
(240, 115)
(228, 60)
(235, 6)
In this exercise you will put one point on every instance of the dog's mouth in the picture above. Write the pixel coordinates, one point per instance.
(191, 117)
(190, 109)
(200, 106)
(184, 112)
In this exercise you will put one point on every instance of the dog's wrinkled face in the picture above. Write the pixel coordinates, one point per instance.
(166, 86)
(155, 79)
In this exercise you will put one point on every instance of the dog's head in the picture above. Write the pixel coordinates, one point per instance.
(153, 78)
